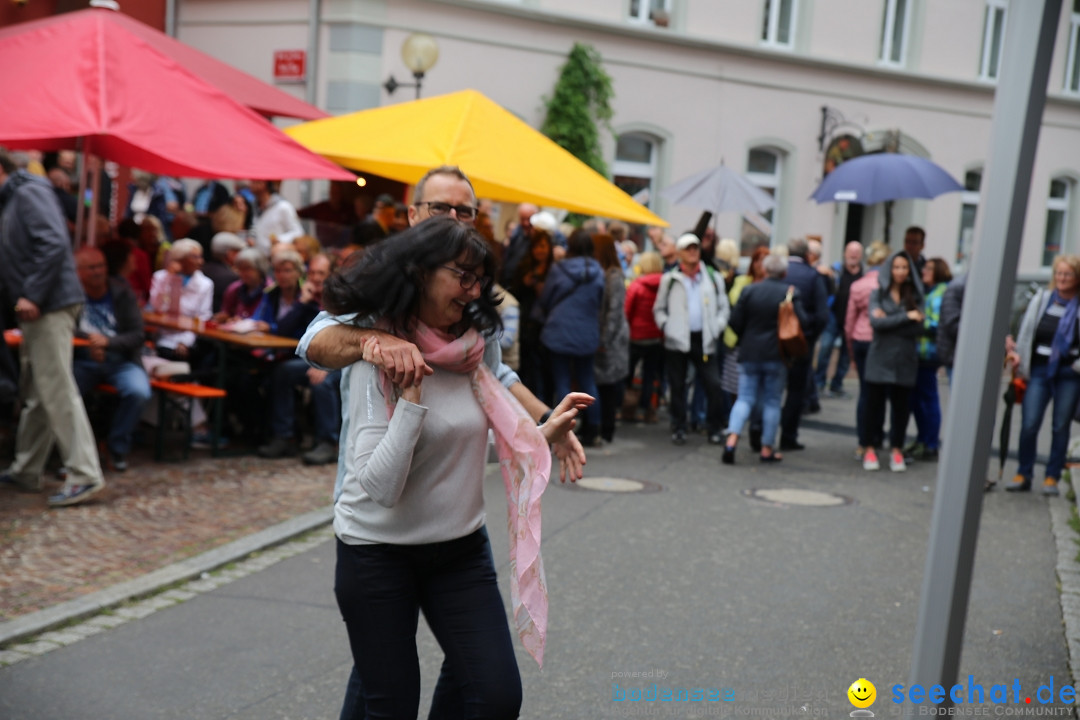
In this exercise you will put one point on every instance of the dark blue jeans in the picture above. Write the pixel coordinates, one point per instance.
(325, 400)
(1064, 389)
(652, 359)
(381, 589)
(926, 406)
(579, 369)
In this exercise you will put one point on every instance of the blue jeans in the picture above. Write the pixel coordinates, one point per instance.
(567, 368)
(764, 381)
(1064, 389)
(325, 401)
(381, 589)
(926, 406)
(132, 387)
(833, 331)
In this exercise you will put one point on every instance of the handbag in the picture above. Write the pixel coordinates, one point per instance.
(793, 345)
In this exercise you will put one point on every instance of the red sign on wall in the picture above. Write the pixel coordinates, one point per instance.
(290, 66)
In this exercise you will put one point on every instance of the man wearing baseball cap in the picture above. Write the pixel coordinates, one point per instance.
(692, 311)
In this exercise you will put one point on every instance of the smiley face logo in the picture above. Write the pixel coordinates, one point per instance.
(862, 693)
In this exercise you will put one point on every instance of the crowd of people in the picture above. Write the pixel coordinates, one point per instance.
(701, 337)
(681, 325)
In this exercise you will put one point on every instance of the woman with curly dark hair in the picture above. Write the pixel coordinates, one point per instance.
(410, 517)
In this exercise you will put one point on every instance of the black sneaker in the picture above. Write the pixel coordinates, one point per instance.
(75, 494)
(679, 437)
(278, 447)
(728, 458)
(119, 462)
(322, 454)
(791, 445)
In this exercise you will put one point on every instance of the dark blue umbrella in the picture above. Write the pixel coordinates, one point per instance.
(870, 179)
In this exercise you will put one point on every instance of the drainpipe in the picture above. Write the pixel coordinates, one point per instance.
(312, 80)
(170, 18)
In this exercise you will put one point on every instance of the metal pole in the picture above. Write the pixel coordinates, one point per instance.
(1018, 109)
(170, 18)
(80, 207)
(311, 91)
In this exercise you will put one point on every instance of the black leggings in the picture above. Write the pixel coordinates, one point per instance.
(898, 399)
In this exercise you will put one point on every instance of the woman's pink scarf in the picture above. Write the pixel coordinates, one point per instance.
(525, 461)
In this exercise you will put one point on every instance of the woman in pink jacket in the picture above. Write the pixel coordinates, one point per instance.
(859, 334)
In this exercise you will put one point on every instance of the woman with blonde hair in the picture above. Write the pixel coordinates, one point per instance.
(646, 339)
(859, 335)
(1047, 355)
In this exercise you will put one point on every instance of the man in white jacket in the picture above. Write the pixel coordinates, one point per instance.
(692, 310)
(276, 220)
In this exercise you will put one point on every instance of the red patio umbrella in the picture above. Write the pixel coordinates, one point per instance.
(119, 86)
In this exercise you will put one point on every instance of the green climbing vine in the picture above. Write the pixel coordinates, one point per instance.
(580, 106)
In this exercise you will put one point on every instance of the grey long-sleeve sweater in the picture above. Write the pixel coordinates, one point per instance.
(417, 478)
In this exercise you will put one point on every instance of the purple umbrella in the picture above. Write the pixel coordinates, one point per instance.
(870, 179)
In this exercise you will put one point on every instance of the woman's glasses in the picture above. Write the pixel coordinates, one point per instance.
(468, 279)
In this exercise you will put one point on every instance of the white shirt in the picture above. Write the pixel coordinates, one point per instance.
(196, 301)
(278, 222)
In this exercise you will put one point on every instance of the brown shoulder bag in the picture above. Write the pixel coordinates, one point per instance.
(792, 341)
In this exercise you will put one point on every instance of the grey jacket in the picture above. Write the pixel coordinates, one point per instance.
(893, 358)
(1025, 336)
(36, 260)
(671, 311)
(952, 302)
(612, 360)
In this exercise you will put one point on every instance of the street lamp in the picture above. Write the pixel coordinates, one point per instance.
(419, 51)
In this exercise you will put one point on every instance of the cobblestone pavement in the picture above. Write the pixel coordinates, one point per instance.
(148, 517)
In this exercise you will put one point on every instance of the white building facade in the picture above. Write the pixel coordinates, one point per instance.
(765, 86)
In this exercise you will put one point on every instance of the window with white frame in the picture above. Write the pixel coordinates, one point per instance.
(1072, 66)
(894, 32)
(634, 171)
(657, 12)
(993, 35)
(1057, 220)
(779, 23)
(969, 208)
(764, 166)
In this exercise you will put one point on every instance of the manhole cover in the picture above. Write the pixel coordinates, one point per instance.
(793, 496)
(614, 485)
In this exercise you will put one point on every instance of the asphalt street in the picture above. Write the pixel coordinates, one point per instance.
(775, 608)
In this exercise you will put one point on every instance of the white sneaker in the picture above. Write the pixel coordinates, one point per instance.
(870, 461)
(896, 461)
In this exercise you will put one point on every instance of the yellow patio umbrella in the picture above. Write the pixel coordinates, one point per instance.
(505, 159)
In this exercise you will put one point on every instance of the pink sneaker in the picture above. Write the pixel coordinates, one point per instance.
(870, 461)
(896, 461)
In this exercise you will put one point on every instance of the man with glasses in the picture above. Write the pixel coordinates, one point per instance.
(331, 343)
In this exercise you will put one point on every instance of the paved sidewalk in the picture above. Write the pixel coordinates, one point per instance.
(151, 516)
